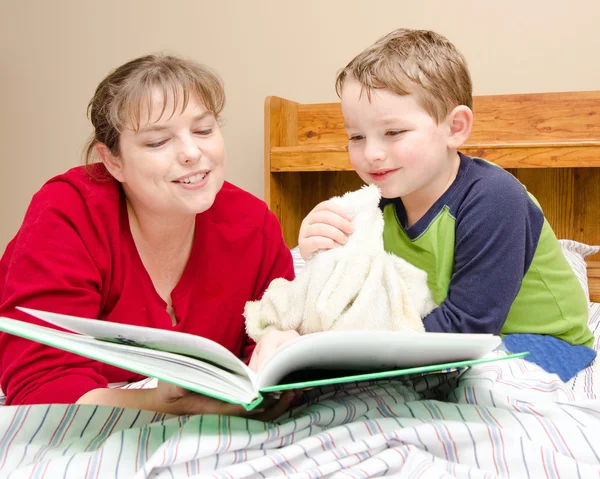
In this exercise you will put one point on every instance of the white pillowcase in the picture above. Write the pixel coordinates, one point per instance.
(298, 261)
(576, 253)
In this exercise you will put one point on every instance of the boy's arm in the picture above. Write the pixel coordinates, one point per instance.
(497, 230)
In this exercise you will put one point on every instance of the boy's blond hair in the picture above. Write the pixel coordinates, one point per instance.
(418, 62)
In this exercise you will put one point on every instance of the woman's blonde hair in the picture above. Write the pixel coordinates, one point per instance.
(127, 91)
(419, 62)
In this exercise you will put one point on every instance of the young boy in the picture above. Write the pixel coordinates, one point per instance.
(494, 264)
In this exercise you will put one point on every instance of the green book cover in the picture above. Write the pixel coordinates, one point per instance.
(313, 360)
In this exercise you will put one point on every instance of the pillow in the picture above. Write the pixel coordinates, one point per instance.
(575, 253)
(297, 258)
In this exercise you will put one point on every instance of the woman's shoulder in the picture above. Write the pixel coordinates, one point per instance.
(89, 182)
(81, 192)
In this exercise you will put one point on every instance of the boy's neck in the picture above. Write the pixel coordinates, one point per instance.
(418, 203)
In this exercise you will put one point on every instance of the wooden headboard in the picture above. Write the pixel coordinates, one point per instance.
(549, 141)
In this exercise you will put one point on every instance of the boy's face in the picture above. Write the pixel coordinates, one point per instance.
(396, 144)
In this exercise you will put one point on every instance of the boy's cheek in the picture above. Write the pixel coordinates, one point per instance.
(362, 170)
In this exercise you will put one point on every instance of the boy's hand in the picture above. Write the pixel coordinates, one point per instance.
(326, 226)
(268, 344)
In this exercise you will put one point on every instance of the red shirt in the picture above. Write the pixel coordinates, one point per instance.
(74, 254)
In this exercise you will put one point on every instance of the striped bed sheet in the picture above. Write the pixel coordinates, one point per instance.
(503, 419)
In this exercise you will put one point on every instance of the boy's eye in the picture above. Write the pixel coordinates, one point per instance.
(357, 137)
(394, 132)
(156, 144)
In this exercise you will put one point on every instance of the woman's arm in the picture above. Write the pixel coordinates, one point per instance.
(53, 264)
(169, 399)
(276, 262)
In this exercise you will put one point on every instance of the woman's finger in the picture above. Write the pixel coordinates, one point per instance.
(279, 408)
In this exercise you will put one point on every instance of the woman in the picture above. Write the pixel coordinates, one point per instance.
(151, 235)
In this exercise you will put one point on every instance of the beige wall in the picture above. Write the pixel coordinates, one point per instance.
(53, 53)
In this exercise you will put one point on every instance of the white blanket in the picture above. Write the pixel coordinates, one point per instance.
(355, 286)
(502, 419)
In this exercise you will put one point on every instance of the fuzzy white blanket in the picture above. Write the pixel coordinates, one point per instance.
(356, 286)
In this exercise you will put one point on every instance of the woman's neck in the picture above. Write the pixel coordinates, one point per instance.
(163, 236)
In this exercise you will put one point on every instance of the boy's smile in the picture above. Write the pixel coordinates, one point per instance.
(396, 144)
(382, 174)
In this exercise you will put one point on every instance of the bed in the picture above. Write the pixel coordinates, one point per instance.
(506, 419)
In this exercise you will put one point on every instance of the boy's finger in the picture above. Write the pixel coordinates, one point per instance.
(321, 230)
(334, 208)
(331, 219)
(318, 243)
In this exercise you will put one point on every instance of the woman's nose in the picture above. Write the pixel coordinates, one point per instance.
(189, 151)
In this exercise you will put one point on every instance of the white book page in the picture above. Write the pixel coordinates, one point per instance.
(159, 339)
(371, 351)
(189, 373)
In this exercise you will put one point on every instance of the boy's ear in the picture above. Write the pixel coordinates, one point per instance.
(460, 121)
(113, 163)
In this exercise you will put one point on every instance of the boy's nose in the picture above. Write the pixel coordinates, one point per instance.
(374, 152)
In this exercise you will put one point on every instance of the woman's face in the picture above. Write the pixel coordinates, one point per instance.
(172, 166)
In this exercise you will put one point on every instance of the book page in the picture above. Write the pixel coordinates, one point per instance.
(368, 351)
(151, 338)
(189, 373)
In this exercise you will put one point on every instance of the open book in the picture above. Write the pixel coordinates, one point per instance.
(204, 366)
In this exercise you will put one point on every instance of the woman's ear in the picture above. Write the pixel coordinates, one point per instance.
(113, 163)
(460, 121)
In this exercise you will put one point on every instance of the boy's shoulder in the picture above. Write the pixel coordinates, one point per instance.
(488, 184)
(486, 175)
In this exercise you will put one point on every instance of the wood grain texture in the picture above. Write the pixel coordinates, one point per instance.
(570, 199)
(321, 124)
(335, 157)
(536, 118)
(310, 158)
(282, 194)
(594, 279)
(549, 141)
(499, 120)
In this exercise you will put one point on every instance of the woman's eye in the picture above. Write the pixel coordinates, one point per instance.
(204, 132)
(156, 144)
(356, 138)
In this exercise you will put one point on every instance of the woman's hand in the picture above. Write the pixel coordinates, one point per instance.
(268, 344)
(326, 226)
(176, 400)
(170, 399)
